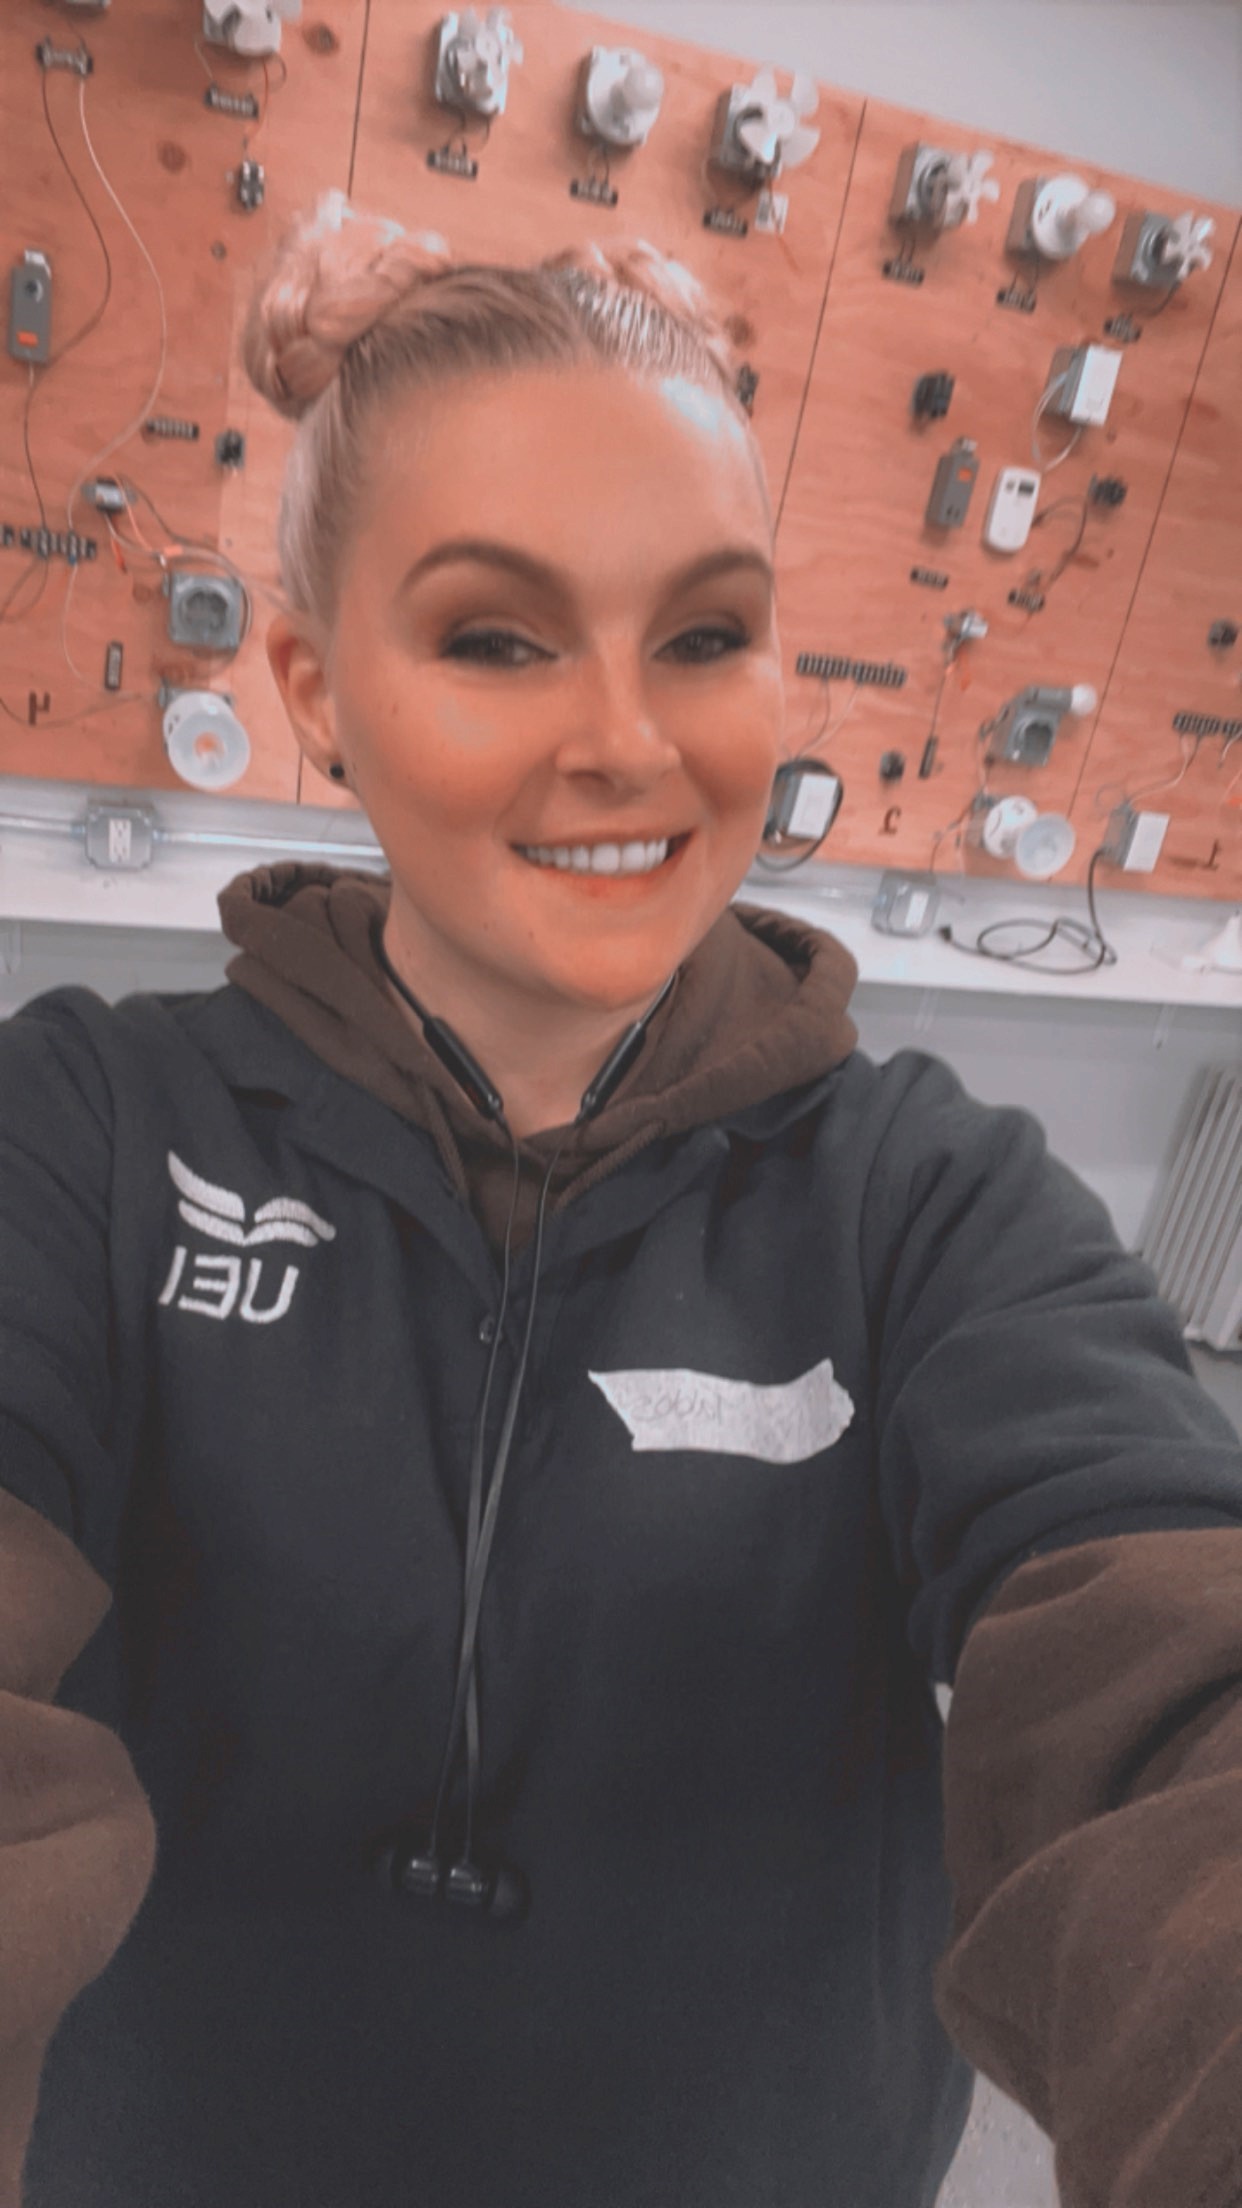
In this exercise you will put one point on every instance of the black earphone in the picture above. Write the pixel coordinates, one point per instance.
(409, 1861)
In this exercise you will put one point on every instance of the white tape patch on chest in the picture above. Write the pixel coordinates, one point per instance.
(681, 1409)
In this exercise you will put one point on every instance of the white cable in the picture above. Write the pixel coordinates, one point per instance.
(93, 462)
(1049, 465)
(827, 734)
(1036, 455)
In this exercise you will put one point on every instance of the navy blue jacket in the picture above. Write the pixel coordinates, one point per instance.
(817, 1379)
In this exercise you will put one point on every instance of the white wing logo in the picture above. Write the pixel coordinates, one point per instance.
(221, 1213)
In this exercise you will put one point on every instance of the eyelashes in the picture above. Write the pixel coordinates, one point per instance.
(469, 645)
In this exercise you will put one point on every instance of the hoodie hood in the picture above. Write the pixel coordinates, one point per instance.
(759, 1008)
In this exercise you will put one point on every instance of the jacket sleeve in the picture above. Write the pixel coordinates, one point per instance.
(1065, 1504)
(77, 1839)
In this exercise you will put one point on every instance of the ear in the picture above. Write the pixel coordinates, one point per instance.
(296, 659)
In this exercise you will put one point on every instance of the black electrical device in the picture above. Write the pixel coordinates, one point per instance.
(932, 394)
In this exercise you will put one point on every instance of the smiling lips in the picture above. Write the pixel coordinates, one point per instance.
(588, 878)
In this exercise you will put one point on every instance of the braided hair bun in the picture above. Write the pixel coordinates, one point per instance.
(337, 272)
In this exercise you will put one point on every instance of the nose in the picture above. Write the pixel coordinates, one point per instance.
(614, 728)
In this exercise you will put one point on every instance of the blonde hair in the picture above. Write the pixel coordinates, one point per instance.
(351, 309)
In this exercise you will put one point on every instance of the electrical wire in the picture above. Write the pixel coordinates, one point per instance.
(1071, 549)
(38, 561)
(54, 361)
(1090, 939)
(1035, 580)
(461, 151)
(1046, 466)
(137, 422)
(1070, 931)
(126, 696)
(747, 190)
(97, 317)
(175, 542)
(268, 87)
(1032, 284)
(1170, 782)
(767, 865)
(951, 651)
(161, 553)
(269, 91)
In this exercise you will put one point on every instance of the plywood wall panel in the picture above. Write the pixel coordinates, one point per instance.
(168, 160)
(1191, 578)
(836, 348)
(853, 527)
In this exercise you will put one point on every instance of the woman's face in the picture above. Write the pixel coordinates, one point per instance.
(603, 699)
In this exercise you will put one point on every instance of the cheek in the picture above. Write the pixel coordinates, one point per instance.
(449, 769)
(454, 774)
(455, 722)
(738, 772)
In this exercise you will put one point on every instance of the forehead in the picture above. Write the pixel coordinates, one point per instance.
(543, 453)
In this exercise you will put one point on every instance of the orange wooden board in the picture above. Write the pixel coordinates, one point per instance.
(853, 523)
(834, 345)
(1191, 579)
(169, 161)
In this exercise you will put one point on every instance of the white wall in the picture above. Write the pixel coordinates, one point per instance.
(1152, 87)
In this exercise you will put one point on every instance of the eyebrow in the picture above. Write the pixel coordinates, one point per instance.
(525, 565)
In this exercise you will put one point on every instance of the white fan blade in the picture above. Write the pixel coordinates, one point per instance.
(798, 147)
(803, 95)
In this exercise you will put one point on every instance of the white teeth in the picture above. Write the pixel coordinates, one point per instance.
(606, 858)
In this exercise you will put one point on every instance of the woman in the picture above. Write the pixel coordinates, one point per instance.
(533, 1796)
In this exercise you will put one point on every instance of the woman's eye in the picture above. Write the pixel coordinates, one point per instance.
(470, 645)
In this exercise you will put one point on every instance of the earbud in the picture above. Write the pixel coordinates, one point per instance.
(406, 1868)
(408, 1864)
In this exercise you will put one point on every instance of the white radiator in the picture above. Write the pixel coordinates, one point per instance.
(1194, 1242)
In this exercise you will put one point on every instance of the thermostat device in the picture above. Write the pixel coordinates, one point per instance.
(952, 485)
(1011, 509)
(806, 798)
(30, 307)
(1083, 377)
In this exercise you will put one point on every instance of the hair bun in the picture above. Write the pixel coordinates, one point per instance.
(333, 274)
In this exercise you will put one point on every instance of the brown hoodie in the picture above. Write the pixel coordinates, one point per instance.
(759, 1008)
